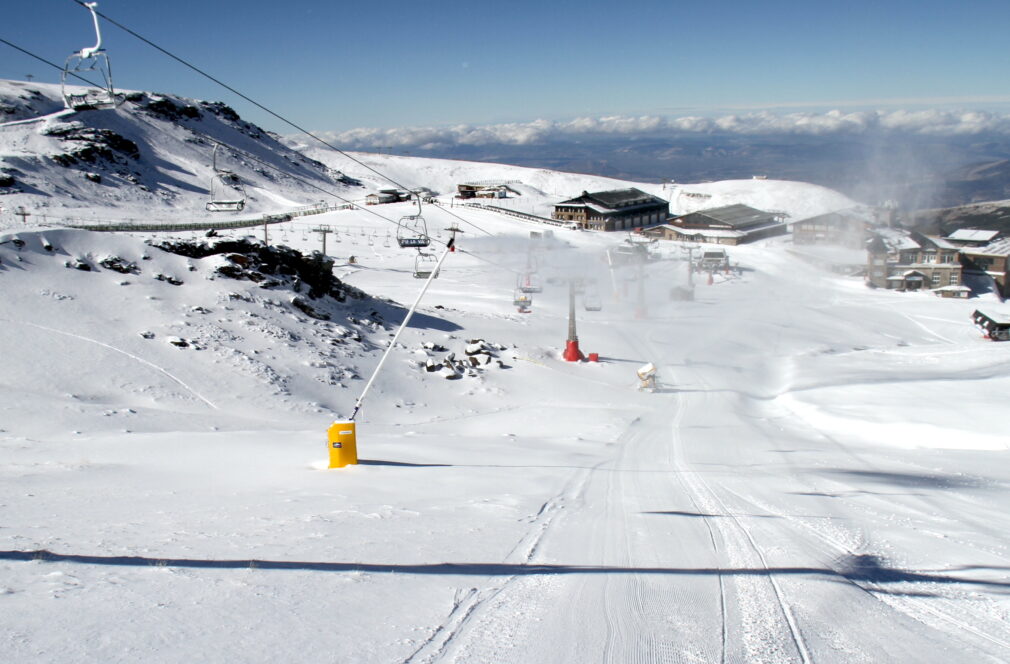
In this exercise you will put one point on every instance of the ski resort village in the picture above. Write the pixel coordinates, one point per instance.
(263, 399)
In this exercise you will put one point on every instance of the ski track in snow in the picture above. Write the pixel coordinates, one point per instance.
(141, 360)
(469, 602)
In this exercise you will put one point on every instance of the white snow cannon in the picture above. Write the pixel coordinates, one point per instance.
(647, 378)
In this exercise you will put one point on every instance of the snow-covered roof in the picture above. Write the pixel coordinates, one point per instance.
(972, 235)
(996, 317)
(941, 243)
(705, 232)
(616, 200)
(1000, 247)
(735, 215)
(901, 240)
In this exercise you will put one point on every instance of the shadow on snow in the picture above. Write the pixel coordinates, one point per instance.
(855, 568)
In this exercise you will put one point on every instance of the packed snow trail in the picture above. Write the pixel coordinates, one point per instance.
(691, 490)
(748, 511)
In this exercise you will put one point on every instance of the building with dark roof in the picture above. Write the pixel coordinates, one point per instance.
(730, 224)
(845, 228)
(619, 209)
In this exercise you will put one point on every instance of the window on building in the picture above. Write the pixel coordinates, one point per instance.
(953, 279)
(929, 257)
(936, 279)
(947, 258)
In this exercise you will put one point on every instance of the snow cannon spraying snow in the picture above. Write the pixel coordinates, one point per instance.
(647, 378)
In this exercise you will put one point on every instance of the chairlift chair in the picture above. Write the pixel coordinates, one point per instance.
(591, 301)
(522, 301)
(90, 60)
(424, 264)
(412, 232)
(530, 283)
(226, 191)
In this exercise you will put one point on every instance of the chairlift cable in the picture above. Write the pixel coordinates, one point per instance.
(267, 110)
(51, 64)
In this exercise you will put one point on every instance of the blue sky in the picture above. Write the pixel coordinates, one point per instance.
(341, 65)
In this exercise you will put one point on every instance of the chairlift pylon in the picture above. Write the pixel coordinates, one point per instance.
(226, 191)
(93, 59)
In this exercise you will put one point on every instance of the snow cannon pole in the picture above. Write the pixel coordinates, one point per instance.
(572, 352)
(342, 435)
(403, 325)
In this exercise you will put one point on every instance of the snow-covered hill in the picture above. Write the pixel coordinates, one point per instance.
(152, 158)
(819, 477)
(541, 188)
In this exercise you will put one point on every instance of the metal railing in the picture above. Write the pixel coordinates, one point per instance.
(138, 226)
(525, 216)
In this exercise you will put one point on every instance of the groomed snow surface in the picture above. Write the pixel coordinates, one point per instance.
(820, 477)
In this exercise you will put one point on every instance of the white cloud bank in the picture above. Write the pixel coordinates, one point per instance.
(928, 122)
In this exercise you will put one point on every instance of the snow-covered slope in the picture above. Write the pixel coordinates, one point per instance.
(819, 477)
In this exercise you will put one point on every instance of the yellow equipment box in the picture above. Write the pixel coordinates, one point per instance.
(343, 444)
